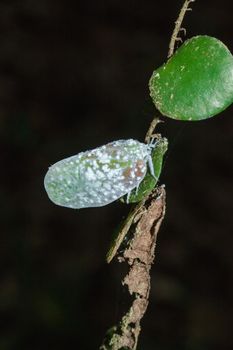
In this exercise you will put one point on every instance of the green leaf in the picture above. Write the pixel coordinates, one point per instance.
(149, 181)
(196, 82)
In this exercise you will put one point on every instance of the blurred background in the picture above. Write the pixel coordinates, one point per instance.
(74, 76)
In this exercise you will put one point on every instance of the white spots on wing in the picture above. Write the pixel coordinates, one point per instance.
(104, 157)
(90, 175)
(105, 168)
(98, 177)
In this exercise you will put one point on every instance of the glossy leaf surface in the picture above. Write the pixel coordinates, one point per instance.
(196, 82)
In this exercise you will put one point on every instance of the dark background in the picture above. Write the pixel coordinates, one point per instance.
(74, 76)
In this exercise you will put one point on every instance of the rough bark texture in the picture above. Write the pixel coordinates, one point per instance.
(139, 255)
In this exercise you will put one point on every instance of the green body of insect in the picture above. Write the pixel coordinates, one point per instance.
(150, 180)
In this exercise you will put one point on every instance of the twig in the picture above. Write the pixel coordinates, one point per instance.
(134, 211)
(140, 256)
(151, 129)
(123, 232)
(143, 222)
(177, 29)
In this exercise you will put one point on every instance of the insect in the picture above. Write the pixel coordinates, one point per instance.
(100, 176)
